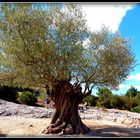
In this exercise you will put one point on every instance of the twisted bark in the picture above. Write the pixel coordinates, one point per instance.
(66, 119)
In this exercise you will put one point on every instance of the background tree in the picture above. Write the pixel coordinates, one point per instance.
(129, 103)
(43, 47)
(132, 92)
(104, 98)
(91, 100)
(117, 102)
(132, 99)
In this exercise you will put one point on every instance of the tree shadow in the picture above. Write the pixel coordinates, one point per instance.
(3, 135)
(39, 105)
(109, 131)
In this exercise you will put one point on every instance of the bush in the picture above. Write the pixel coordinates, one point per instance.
(10, 93)
(117, 102)
(27, 97)
(104, 103)
(136, 109)
(129, 103)
(92, 100)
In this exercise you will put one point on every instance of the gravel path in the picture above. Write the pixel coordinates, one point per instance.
(127, 118)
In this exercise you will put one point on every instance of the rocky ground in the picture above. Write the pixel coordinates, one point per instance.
(26, 120)
(13, 109)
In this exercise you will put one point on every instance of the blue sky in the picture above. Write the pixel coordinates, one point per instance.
(122, 17)
(130, 26)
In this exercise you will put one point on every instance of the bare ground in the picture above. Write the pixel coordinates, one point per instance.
(12, 126)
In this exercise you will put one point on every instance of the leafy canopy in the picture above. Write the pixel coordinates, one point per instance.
(42, 46)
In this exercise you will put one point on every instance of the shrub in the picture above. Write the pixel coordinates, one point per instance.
(117, 102)
(92, 100)
(129, 103)
(104, 103)
(136, 109)
(27, 97)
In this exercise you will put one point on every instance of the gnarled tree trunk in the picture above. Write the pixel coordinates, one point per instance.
(66, 119)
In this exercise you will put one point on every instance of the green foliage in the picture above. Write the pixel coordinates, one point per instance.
(104, 98)
(104, 103)
(136, 109)
(42, 96)
(28, 98)
(12, 93)
(132, 92)
(138, 97)
(104, 93)
(41, 46)
(92, 100)
(113, 57)
(129, 101)
(117, 102)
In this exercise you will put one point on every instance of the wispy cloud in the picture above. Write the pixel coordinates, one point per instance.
(105, 14)
(135, 77)
(137, 87)
(124, 86)
(132, 79)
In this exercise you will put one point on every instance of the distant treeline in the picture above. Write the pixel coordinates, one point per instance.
(106, 99)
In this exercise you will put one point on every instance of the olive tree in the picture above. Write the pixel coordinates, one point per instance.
(44, 47)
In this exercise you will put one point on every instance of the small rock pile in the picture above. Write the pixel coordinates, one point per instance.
(13, 109)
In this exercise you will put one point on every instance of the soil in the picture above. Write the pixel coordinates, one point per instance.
(16, 126)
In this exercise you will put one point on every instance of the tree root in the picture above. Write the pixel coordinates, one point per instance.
(66, 130)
